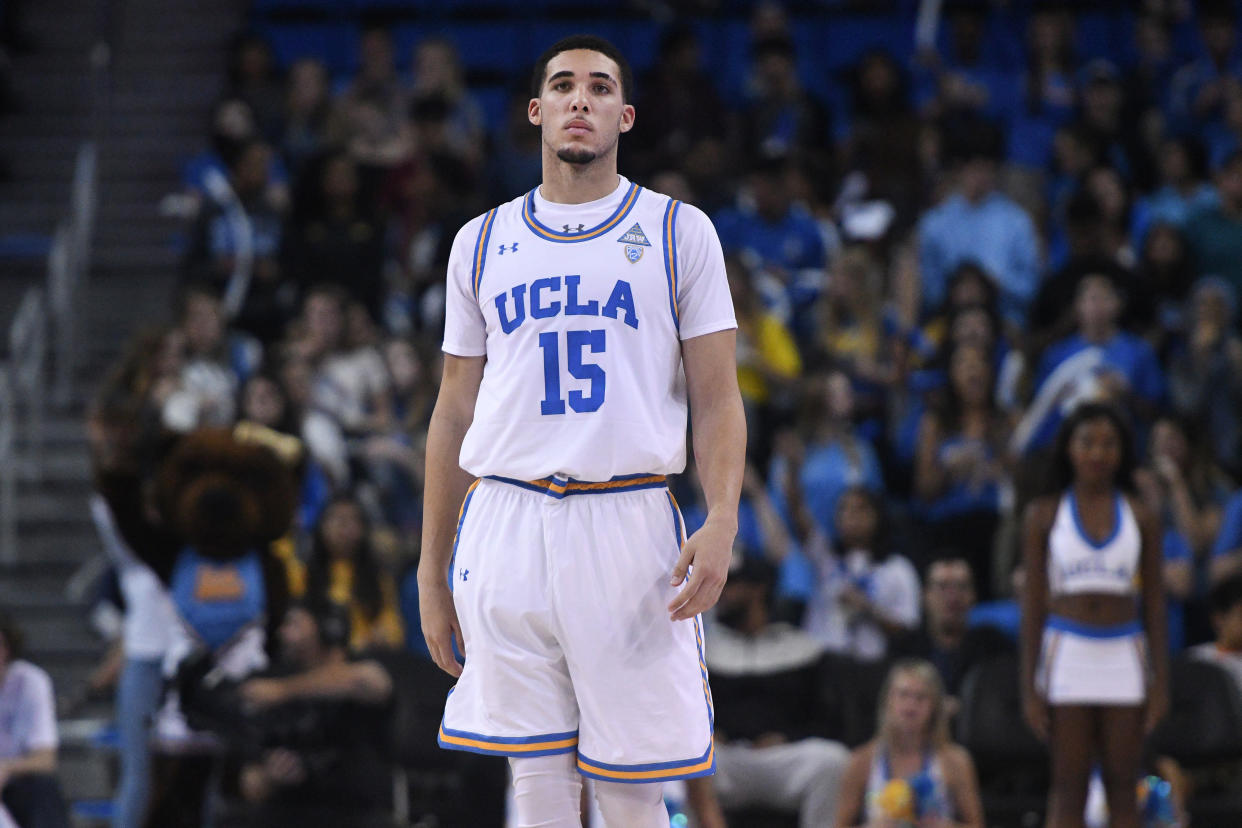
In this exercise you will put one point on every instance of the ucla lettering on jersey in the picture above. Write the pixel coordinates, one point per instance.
(582, 332)
(545, 302)
(1078, 563)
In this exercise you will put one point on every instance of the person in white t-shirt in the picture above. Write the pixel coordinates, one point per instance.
(1225, 601)
(29, 790)
(582, 319)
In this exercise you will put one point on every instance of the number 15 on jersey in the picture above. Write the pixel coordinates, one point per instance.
(577, 345)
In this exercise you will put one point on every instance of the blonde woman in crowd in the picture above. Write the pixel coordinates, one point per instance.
(911, 774)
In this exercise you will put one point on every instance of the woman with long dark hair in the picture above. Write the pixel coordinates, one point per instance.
(958, 471)
(1094, 669)
(345, 570)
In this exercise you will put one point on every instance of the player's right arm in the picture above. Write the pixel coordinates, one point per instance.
(445, 482)
(444, 489)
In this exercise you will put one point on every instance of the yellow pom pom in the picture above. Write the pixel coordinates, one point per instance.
(897, 800)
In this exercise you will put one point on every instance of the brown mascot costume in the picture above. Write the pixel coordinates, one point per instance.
(226, 500)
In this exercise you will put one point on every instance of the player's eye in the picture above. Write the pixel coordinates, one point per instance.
(561, 86)
(602, 88)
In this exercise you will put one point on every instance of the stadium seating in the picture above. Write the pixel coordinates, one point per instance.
(1012, 763)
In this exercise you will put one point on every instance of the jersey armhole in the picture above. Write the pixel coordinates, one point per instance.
(480, 253)
(671, 265)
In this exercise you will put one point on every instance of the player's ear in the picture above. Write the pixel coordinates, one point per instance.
(627, 117)
(533, 112)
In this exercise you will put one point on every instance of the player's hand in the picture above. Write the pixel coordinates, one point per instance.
(440, 625)
(709, 550)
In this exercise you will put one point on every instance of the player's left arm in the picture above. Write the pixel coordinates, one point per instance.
(719, 429)
(707, 324)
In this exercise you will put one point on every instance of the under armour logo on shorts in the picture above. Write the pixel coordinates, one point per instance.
(464, 574)
(512, 249)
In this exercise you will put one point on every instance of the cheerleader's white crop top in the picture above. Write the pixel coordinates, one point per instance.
(1076, 563)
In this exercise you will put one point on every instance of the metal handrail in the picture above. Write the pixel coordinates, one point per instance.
(68, 267)
(27, 372)
(8, 472)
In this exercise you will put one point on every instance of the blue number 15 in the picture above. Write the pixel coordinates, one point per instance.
(576, 342)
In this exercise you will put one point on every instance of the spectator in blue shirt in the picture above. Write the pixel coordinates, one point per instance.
(1099, 360)
(779, 240)
(1198, 89)
(1215, 233)
(970, 78)
(1227, 552)
(976, 222)
(1182, 191)
(833, 456)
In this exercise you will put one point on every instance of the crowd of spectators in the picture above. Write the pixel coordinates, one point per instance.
(928, 271)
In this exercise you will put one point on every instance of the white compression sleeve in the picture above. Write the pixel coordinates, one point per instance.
(547, 791)
(631, 806)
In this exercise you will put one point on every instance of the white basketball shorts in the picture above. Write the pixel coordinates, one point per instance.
(562, 591)
(1086, 665)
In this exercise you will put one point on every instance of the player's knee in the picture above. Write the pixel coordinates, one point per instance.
(631, 806)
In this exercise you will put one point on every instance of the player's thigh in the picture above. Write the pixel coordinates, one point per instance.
(639, 677)
(498, 571)
(515, 685)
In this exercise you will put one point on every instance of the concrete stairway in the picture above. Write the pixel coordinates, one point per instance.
(167, 66)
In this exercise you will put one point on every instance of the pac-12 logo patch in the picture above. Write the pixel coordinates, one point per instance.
(634, 240)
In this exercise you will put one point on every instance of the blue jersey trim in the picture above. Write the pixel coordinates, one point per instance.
(1063, 624)
(461, 519)
(704, 765)
(549, 744)
(670, 258)
(562, 487)
(1082, 532)
(528, 216)
(480, 253)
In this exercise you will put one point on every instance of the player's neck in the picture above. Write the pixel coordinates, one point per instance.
(577, 183)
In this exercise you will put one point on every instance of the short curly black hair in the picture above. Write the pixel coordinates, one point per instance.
(590, 42)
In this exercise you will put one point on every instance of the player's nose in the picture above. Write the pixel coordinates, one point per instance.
(580, 100)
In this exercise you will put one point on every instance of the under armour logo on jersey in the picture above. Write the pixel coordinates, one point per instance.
(464, 574)
(512, 248)
(569, 229)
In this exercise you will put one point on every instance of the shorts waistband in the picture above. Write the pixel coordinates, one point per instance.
(560, 487)
(1063, 624)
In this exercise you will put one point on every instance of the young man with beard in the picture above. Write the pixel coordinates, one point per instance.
(581, 320)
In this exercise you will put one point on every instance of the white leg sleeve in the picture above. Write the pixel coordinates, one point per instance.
(547, 791)
(631, 806)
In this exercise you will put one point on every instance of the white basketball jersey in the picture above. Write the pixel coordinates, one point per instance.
(580, 310)
(1077, 563)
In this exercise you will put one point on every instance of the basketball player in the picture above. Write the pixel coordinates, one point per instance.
(580, 317)
(1094, 655)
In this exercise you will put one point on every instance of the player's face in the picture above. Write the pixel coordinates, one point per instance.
(580, 107)
(1095, 451)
